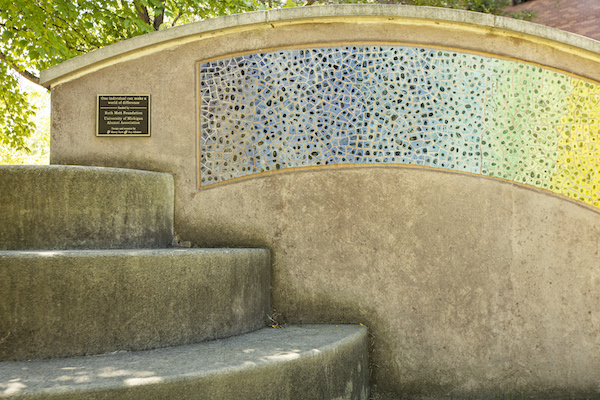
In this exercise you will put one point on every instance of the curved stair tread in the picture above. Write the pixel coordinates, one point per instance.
(295, 362)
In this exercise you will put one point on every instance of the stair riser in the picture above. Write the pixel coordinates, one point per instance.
(68, 207)
(59, 304)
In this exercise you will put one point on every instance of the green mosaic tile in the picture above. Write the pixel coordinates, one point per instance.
(524, 107)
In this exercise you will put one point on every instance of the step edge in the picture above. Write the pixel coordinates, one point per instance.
(352, 338)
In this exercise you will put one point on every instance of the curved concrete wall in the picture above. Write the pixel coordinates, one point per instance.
(68, 207)
(69, 303)
(470, 284)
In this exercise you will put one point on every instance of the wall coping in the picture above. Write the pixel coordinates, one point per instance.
(156, 41)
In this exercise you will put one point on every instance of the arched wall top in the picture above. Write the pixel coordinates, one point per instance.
(345, 85)
(358, 13)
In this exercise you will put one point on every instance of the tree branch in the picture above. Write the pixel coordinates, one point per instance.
(176, 18)
(26, 74)
(158, 19)
(12, 29)
(142, 12)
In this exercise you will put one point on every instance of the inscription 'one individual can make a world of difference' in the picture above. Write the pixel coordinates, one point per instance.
(123, 115)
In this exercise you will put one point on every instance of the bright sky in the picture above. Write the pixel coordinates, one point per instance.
(30, 87)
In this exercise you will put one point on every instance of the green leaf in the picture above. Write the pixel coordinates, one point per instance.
(37, 34)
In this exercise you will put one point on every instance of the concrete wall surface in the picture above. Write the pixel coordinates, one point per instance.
(471, 285)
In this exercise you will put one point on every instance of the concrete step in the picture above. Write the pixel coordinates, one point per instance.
(296, 362)
(67, 303)
(70, 207)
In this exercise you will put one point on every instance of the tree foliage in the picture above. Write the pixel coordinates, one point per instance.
(37, 34)
(484, 6)
(39, 141)
(16, 111)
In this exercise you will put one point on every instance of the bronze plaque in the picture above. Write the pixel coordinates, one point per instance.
(123, 115)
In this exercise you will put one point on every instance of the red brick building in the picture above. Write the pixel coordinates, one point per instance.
(578, 16)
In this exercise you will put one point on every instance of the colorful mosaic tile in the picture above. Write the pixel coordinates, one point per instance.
(365, 105)
(523, 115)
(578, 172)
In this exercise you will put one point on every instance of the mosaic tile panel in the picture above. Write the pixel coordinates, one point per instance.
(364, 105)
(523, 117)
(578, 165)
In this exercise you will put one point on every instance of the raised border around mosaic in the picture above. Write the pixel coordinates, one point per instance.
(399, 105)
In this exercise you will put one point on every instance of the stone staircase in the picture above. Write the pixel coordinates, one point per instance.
(94, 304)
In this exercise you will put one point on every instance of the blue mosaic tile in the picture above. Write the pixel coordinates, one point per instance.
(340, 105)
